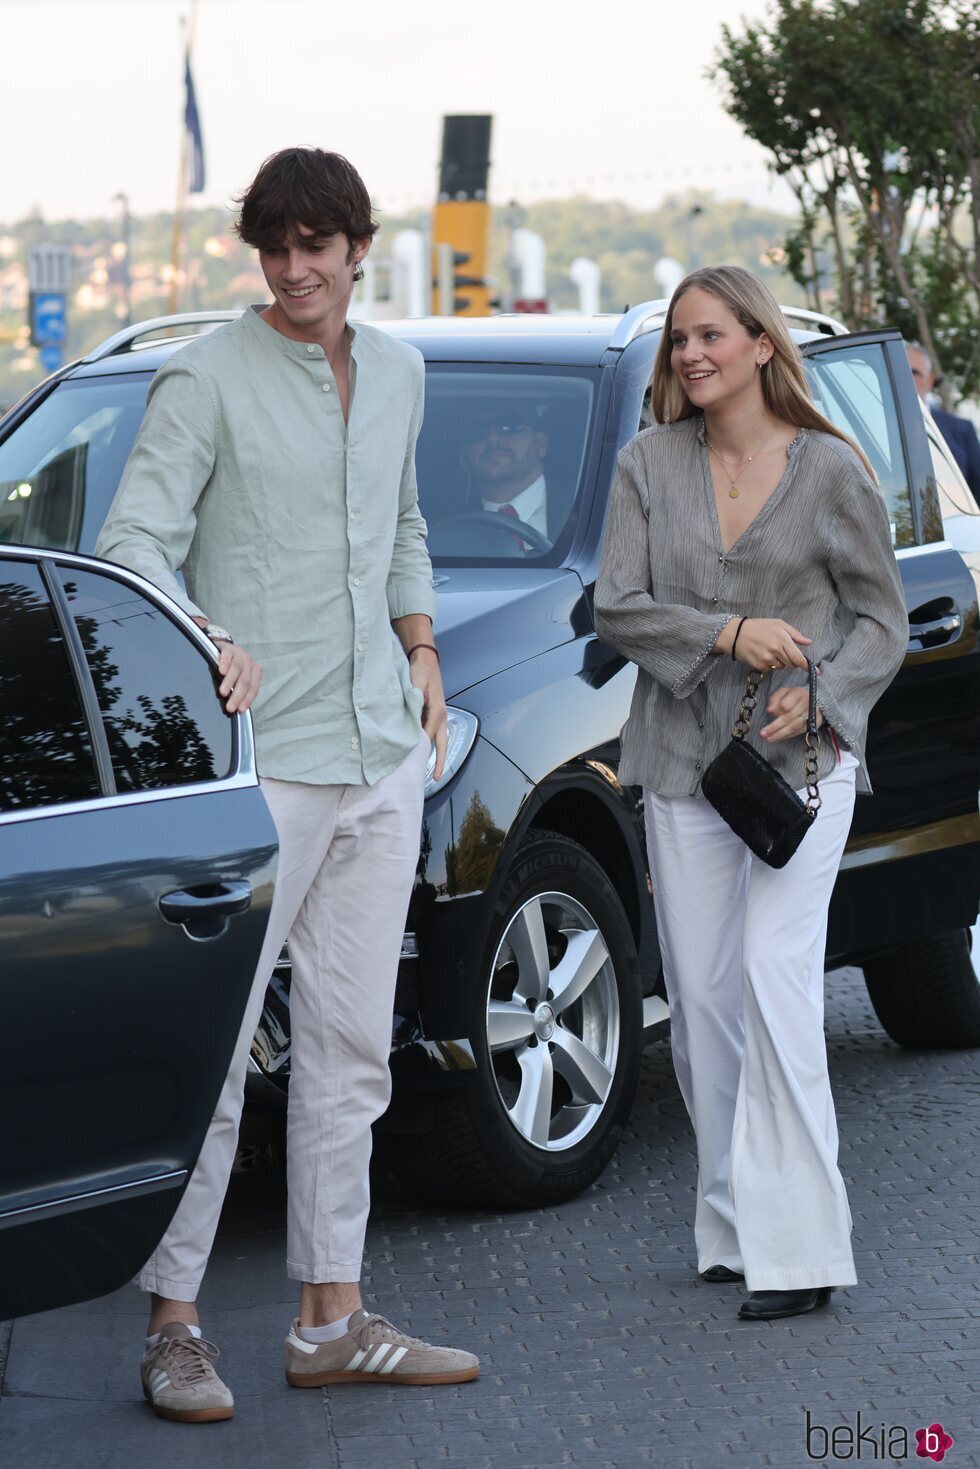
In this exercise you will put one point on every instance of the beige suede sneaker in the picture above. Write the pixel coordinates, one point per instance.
(179, 1381)
(375, 1351)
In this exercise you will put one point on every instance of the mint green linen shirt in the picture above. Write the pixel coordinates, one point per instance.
(300, 534)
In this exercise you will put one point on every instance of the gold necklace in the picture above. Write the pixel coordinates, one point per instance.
(732, 480)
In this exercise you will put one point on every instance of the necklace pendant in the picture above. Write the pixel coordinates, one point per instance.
(733, 493)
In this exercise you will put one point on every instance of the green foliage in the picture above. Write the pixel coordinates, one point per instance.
(870, 110)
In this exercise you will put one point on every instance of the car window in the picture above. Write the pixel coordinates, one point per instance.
(853, 388)
(162, 716)
(61, 465)
(502, 436)
(45, 749)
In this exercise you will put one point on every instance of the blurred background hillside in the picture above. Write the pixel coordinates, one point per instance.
(220, 273)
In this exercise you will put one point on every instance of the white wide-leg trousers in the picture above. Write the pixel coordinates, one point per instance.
(743, 952)
(347, 859)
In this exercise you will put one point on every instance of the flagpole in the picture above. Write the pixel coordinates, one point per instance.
(177, 240)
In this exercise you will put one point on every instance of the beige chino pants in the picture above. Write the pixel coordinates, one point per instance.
(347, 860)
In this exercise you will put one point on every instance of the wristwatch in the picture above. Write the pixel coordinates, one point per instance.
(218, 634)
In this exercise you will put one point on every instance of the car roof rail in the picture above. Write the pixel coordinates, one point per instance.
(650, 315)
(829, 325)
(125, 340)
(638, 319)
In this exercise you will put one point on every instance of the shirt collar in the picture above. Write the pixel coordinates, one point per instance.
(260, 329)
(791, 447)
(526, 503)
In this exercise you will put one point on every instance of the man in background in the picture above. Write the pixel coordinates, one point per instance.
(959, 432)
(502, 449)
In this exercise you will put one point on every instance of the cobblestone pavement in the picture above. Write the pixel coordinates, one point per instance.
(600, 1346)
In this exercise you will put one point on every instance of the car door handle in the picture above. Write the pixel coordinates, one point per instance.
(934, 624)
(203, 912)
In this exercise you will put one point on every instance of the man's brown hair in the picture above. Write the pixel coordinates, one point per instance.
(321, 191)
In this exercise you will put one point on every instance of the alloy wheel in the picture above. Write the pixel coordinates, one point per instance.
(553, 1021)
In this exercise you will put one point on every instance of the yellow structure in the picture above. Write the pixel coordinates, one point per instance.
(461, 220)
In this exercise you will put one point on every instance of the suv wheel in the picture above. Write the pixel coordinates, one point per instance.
(926, 993)
(557, 1034)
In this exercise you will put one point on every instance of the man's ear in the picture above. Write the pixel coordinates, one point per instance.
(359, 248)
(541, 442)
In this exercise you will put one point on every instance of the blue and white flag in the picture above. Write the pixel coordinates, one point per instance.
(195, 142)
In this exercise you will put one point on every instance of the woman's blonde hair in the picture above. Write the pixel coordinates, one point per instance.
(784, 385)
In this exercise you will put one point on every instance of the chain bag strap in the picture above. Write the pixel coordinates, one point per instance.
(811, 752)
(757, 803)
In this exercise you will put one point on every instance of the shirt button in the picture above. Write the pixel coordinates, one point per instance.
(714, 599)
(697, 764)
(311, 348)
(353, 742)
(326, 387)
(357, 581)
(700, 724)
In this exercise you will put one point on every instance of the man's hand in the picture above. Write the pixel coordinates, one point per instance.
(424, 673)
(790, 709)
(240, 674)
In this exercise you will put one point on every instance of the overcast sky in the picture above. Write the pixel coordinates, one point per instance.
(607, 99)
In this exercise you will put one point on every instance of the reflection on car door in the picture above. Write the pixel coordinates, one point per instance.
(922, 746)
(137, 860)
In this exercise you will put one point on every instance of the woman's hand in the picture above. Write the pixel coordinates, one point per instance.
(789, 706)
(764, 642)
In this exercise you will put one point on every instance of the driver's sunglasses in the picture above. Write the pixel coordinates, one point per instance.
(505, 425)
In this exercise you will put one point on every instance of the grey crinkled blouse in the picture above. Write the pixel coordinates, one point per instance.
(818, 554)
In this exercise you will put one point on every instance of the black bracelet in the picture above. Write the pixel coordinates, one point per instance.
(742, 621)
(430, 646)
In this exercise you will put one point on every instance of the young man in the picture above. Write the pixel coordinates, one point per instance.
(276, 467)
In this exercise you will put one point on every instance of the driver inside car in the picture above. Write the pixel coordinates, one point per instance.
(502, 446)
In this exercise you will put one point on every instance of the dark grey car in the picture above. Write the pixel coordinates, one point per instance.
(137, 861)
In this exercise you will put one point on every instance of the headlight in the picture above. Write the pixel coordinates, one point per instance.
(461, 731)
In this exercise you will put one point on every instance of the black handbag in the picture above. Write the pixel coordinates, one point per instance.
(753, 798)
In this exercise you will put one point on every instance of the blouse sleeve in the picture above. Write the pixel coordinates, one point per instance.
(671, 642)
(866, 575)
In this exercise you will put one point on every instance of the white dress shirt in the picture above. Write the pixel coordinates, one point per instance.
(531, 505)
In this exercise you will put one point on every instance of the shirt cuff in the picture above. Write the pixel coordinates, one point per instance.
(411, 598)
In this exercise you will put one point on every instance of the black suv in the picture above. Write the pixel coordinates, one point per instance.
(530, 974)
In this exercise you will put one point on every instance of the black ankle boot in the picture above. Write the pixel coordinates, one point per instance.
(721, 1275)
(769, 1305)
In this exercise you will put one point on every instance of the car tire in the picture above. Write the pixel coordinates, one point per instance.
(499, 1142)
(926, 993)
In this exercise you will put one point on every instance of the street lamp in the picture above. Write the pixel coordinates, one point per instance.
(123, 201)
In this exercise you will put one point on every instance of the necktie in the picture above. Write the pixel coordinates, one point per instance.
(512, 513)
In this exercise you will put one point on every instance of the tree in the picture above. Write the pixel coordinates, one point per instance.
(871, 112)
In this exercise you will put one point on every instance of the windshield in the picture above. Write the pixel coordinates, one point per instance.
(500, 461)
(60, 467)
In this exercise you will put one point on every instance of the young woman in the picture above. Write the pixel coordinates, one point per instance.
(744, 528)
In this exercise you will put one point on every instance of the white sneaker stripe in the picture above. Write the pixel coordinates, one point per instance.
(357, 1359)
(374, 1362)
(158, 1379)
(393, 1360)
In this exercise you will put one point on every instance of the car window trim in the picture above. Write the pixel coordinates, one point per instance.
(239, 780)
(82, 675)
(884, 338)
